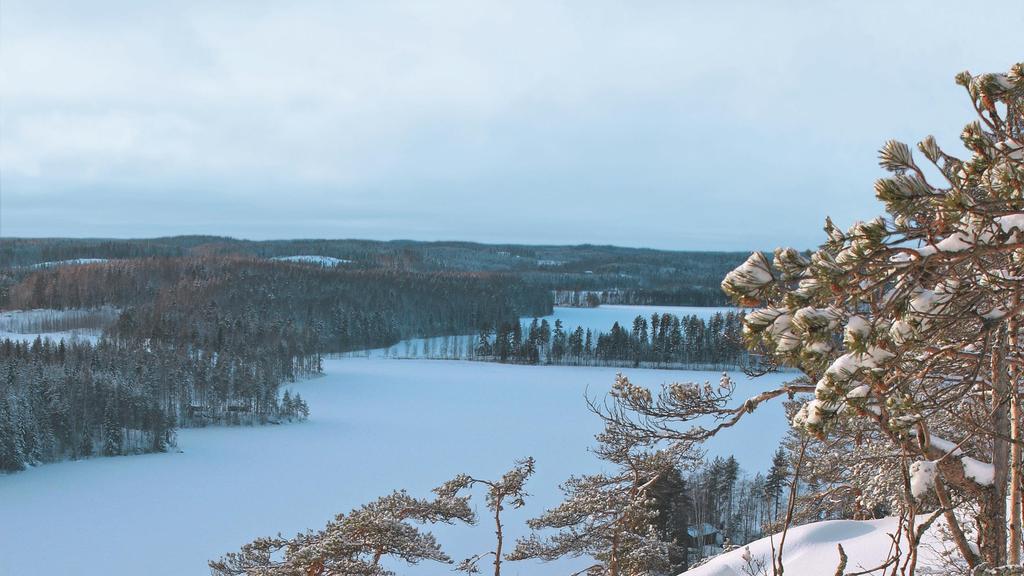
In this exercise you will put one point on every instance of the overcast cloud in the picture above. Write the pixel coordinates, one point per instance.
(683, 125)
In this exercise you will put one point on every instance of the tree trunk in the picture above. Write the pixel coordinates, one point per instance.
(992, 520)
(953, 524)
(1015, 448)
(497, 548)
(613, 559)
(1015, 479)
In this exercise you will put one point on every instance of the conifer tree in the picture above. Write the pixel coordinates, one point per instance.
(12, 456)
(113, 435)
(670, 499)
(612, 516)
(354, 544)
(910, 323)
(775, 483)
(483, 345)
(510, 490)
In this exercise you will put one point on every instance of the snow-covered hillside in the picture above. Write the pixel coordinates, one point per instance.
(325, 261)
(810, 550)
(76, 261)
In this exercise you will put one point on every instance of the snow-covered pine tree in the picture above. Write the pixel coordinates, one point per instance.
(355, 544)
(287, 406)
(113, 434)
(559, 342)
(12, 457)
(612, 516)
(301, 407)
(509, 490)
(853, 472)
(483, 345)
(912, 321)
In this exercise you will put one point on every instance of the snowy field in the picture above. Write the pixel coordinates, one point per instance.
(376, 424)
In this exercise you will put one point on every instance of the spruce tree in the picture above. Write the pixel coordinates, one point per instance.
(776, 481)
(12, 456)
(113, 434)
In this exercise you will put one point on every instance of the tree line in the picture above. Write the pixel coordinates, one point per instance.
(662, 341)
(74, 399)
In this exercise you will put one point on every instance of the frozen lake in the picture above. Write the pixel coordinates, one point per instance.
(377, 424)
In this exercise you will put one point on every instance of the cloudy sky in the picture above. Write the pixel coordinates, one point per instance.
(694, 124)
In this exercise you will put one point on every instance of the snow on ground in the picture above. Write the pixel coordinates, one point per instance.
(69, 335)
(80, 324)
(810, 550)
(376, 424)
(12, 319)
(76, 261)
(325, 261)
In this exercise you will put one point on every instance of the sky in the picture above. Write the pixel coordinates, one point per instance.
(688, 125)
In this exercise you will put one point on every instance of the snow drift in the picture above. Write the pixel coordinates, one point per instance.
(810, 549)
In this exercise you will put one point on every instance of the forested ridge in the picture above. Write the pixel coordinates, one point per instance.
(585, 274)
(339, 309)
(210, 339)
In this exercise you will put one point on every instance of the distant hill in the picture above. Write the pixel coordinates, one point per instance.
(613, 274)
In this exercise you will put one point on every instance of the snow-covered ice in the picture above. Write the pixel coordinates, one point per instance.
(376, 424)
